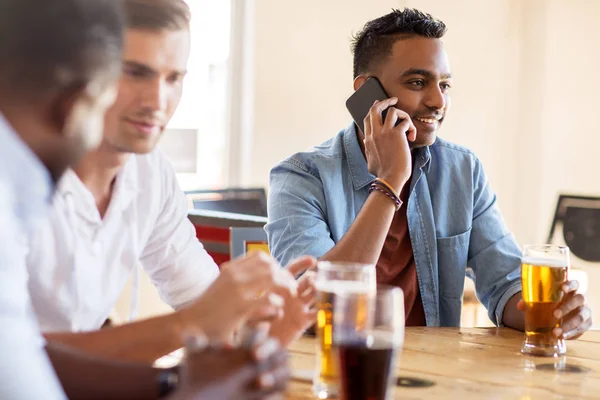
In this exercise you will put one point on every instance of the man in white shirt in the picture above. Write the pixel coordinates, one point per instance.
(121, 210)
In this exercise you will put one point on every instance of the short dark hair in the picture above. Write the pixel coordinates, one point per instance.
(157, 14)
(50, 45)
(374, 42)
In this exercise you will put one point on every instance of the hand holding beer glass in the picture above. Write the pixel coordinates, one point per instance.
(333, 279)
(543, 272)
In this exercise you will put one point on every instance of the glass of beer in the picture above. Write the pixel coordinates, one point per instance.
(367, 352)
(544, 270)
(331, 279)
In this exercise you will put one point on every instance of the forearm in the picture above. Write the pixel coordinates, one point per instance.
(141, 341)
(512, 316)
(365, 238)
(86, 377)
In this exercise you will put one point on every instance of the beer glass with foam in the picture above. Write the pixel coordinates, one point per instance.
(332, 278)
(544, 270)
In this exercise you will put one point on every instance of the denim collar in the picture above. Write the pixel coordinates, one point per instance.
(357, 163)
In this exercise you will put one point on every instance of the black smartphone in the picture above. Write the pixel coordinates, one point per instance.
(362, 100)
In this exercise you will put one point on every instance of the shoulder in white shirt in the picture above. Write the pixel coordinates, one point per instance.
(25, 186)
(80, 263)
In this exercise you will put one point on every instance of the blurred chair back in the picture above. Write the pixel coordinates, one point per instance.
(243, 240)
(213, 230)
(252, 201)
(577, 220)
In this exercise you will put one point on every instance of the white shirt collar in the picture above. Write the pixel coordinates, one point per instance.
(125, 190)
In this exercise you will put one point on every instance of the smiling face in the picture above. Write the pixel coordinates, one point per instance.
(154, 65)
(417, 72)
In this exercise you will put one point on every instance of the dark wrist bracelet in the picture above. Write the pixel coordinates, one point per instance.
(168, 381)
(391, 196)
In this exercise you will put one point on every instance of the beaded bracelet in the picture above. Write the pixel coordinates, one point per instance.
(395, 199)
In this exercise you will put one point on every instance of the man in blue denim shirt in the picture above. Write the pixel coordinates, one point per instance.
(320, 203)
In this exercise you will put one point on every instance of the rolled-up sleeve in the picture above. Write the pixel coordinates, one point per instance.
(177, 263)
(494, 255)
(297, 218)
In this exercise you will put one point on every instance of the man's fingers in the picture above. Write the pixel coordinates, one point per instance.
(377, 110)
(367, 128)
(306, 285)
(269, 300)
(282, 279)
(310, 317)
(411, 132)
(266, 308)
(309, 295)
(580, 330)
(576, 323)
(392, 116)
(406, 127)
(570, 286)
(300, 265)
(259, 273)
(306, 282)
(264, 314)
(380, 106)
(374, 120)
(569, 305)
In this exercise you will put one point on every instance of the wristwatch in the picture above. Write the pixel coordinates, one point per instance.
(168, 380)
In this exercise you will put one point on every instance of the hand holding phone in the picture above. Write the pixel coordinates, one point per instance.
(387, 132)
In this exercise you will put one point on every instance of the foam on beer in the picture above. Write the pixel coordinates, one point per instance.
(344, 287)
(545, 262)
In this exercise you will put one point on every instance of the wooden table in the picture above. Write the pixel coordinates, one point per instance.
(476, 363)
